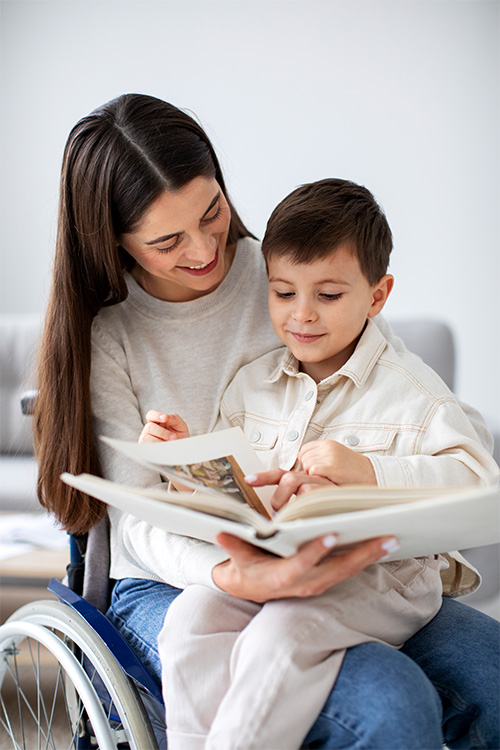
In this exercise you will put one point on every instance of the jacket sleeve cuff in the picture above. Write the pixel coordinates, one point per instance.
(391, 471)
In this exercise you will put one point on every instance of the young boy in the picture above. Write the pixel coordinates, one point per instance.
(338, 403)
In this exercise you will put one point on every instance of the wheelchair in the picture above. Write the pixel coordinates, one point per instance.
(64, 660)
(68, 679)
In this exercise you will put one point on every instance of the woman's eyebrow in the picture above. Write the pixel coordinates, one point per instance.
(166, 237)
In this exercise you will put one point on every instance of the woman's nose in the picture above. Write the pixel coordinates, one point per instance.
(201, 250)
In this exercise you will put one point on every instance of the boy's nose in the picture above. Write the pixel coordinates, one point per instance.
(304, 313)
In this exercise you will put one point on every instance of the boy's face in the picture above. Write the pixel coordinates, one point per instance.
(319, 309)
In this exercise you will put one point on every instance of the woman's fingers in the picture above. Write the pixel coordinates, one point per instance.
(163, 427)
(155, 416)
(242, 552)
(253, 574)
(288, 483)
(296, 483)
(152, 433)
(264, 478)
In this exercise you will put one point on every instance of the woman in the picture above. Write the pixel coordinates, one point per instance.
(159, 296)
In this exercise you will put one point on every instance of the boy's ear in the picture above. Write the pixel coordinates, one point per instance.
(380, 292)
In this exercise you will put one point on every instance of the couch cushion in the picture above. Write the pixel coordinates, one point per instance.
(19, 336)
(18, 476)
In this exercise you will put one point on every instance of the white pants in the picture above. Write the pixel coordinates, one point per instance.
(243, 676)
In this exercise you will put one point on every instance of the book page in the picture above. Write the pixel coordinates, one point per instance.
(329, 501)
(214, 463)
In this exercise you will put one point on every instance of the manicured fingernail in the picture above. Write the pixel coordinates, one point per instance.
(251, 478)
(329, 541)
(390, 545)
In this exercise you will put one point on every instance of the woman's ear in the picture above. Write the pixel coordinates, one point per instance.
(380, 293)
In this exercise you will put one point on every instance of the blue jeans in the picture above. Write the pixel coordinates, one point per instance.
(443, 685)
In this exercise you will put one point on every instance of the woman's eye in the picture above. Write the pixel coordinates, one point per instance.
(169, 248)
(214, 217)
(284, 295)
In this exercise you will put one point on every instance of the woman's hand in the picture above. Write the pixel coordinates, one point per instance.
(288, 483)
(254, 575)
(336, 462)
(163, 427)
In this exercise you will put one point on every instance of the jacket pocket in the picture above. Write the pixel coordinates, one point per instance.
(262, 436)
(363, 439)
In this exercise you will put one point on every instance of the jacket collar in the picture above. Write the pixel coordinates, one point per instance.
(358, 367)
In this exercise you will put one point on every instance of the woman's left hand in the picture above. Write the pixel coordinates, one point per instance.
(288, 483)
(162, 427)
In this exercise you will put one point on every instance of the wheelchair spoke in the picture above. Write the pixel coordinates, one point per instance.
(24, 704)
(41, 710)
(61, 687)
(40, 700)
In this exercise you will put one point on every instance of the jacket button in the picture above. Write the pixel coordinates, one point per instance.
(292, 435)
(255, 436)
(353, 440)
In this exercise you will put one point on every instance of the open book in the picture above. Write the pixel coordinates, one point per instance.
(425, 520)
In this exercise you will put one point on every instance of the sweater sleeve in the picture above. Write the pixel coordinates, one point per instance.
(137, 548)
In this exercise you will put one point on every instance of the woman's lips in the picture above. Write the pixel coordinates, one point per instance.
(202, 271)
(306, 338)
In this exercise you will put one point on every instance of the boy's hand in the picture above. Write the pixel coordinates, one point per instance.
(163, 427)
(336, 462)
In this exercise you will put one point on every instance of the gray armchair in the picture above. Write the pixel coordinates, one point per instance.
(19, 335)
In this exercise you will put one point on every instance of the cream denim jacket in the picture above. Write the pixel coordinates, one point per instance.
(389, 406)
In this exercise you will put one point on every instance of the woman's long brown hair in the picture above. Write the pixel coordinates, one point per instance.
(117, 161)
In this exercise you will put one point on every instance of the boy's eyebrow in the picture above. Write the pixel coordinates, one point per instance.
(165, 237)
(323, 281)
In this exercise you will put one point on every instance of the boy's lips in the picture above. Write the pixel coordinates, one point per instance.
(203, 270)
(306, 338)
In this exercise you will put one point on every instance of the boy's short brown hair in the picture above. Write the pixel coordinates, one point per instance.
(315, 219)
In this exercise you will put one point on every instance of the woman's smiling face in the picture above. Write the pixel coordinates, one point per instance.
(180, 246)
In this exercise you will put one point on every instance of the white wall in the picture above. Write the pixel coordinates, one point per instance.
(400, 95)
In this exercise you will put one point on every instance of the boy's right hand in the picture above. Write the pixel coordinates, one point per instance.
(163, 427)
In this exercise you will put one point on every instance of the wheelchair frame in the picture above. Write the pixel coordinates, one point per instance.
(110, 700)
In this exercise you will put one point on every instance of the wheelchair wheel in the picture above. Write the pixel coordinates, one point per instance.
(61, 687)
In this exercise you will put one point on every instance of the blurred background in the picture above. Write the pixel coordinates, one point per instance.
(400, 95)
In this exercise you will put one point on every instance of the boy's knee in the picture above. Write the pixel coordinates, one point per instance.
(181, 613)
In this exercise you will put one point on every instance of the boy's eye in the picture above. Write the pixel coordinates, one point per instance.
(329, 297)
